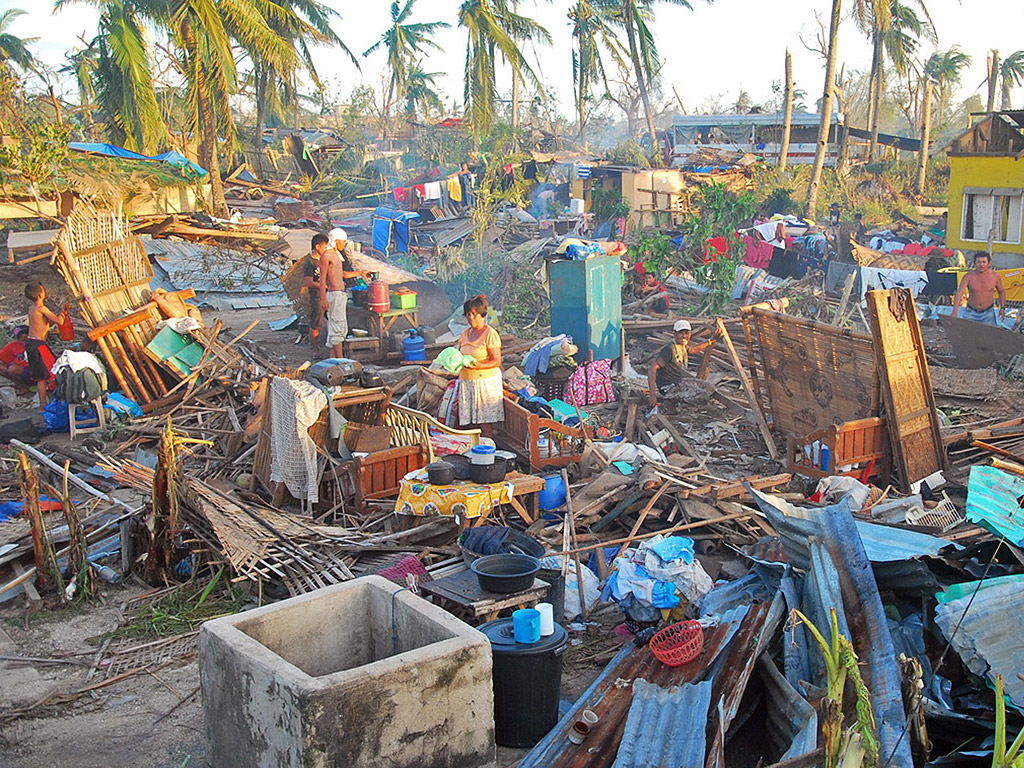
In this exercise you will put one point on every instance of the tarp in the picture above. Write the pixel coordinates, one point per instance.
(110, 150)
(388, 222)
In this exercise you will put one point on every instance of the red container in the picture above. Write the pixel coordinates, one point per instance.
(66, 326)
(378, 298)
(679, 643)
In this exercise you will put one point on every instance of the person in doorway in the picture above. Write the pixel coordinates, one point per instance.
(481, 391)
(336, 276)
(311, 287)
(13, 362)
(981, 285)
(669, 367)
(38, 355)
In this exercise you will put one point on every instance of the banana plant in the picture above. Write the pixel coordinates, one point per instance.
(857, 745)
(1003, 757)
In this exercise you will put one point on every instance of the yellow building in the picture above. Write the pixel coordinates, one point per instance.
(986, 189)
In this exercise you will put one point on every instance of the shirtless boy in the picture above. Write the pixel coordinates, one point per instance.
(336, 275)
(40, 358)
(980, 284)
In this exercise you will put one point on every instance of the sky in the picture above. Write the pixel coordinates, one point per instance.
(712, 51)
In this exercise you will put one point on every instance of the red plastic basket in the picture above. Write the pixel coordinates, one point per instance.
(678, 643)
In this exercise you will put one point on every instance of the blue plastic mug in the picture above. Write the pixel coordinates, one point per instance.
(526, 625)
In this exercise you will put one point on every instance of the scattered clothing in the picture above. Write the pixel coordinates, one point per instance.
(873, 278)
(454, 189)
(296, 406)
(758, 253)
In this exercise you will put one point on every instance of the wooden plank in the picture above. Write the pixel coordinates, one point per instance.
(755, 404)
(902, 365)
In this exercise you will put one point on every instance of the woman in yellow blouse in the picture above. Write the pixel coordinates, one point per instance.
(480, 383)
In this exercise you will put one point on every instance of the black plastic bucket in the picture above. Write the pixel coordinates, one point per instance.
(527, 683)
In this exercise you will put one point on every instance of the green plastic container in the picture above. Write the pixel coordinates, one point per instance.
(403, 299)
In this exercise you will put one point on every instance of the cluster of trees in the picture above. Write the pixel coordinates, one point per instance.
(157, 68)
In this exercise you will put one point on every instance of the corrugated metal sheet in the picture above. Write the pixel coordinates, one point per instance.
(665, 727)
(840, 568)
(212, 269)
(611, 694)
(992, 502)
(986, 639)
(793, 723)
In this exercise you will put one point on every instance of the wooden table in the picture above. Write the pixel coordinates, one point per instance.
(528, 486)
(381, 322)
(462, 592)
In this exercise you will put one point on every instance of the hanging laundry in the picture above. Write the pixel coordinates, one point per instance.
(454, 188)
(432, 190)
(399, 193)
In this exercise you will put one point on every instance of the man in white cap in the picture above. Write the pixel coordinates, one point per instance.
(336, 275)
(669, 367)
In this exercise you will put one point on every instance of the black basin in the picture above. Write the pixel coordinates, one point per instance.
(505, 574)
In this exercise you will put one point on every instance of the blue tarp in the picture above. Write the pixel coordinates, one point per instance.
(109, 150)
(388, 222)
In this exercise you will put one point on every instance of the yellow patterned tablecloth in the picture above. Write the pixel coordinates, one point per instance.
(461, 499)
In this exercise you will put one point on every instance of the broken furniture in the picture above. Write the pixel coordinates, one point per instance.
(907, 392)
(356, 404)
(542, 443)
(861, 445)
(461, 594)
(363, 673)
(381, 323)
(412, 427)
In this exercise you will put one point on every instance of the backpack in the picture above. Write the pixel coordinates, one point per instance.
(591, 384)
(79, 387)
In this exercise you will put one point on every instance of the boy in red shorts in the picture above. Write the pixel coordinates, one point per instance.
(40, 358)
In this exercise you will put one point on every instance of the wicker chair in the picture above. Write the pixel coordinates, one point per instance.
(412, 427)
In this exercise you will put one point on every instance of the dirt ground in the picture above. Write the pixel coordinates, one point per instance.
(127, 723)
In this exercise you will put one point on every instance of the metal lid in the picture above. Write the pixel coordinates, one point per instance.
(500, 633)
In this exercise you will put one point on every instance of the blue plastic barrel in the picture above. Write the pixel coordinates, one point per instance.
(553, 495)
(414, 347)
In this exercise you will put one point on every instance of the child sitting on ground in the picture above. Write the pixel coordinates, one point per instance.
(40, 358)
(13, 363)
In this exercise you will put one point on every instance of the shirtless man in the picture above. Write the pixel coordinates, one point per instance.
(40, 358)
(336, 274)
(979, 284)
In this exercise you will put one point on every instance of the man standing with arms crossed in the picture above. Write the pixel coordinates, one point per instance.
(980, 284)
(336, 275)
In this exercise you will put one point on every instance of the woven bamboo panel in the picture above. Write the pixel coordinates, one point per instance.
(104, 264)
(906, 386)
(815, 374)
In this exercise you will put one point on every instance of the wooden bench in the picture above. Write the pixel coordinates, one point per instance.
(852, 443)
(521, 434)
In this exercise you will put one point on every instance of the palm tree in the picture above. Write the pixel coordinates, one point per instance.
(492, 27)
(14, 49)
(404, 43)
(124, 79)
(945, 69)
(83, 64)
(592, 22)
(305, 22)
(826, 109)
(894, 30)
(634, 15)
(421, 96)
(1011, 73)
